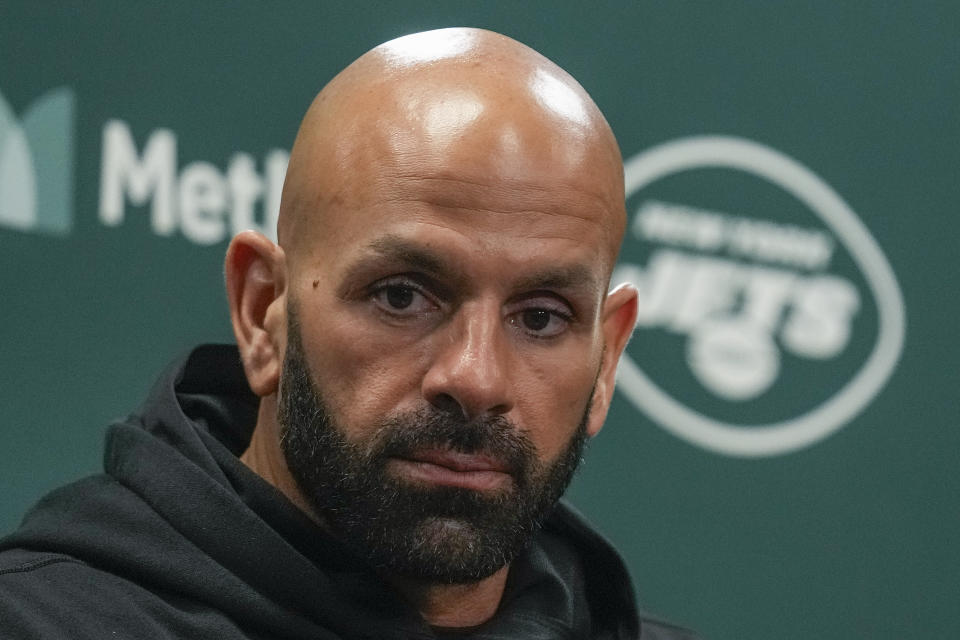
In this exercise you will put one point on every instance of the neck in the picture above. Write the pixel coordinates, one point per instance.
(441, 605)
(264, 457)
(456, 605)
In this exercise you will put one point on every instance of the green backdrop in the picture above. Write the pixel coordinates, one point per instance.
(781, 459)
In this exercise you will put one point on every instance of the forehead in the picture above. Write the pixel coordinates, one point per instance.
(446, 225)
(478, 187)
(473, 198)
(495, 163)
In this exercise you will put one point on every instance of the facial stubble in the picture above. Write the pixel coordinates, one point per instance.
(438, 534)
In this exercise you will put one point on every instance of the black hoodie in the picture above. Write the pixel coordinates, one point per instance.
(178, 539)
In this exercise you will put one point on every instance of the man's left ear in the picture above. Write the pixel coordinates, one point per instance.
(619, 318)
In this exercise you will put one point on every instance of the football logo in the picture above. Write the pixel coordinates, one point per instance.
(769, 316)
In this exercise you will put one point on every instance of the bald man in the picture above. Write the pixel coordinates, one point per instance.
(422, 357)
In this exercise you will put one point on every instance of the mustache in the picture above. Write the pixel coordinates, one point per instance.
(403, 435)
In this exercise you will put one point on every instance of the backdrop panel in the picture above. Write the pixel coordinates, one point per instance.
(781, 459)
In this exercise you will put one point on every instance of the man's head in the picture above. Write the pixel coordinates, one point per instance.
(433, 338)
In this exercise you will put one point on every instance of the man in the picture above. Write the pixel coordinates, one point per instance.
(428, 348)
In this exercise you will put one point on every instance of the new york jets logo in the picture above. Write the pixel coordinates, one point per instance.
(769, 316)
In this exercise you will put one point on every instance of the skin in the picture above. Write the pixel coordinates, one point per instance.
(473, 176)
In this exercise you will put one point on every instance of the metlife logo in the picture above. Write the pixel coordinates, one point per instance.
(36, 164)
(769, 316)
(205, 204)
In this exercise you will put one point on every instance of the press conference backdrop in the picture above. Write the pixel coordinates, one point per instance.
(781, 458)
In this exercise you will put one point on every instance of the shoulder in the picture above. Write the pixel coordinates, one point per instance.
(54, 595)
(45, 594)
(21, 566)
(70, 569)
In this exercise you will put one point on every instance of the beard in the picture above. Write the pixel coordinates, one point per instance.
(437, 534)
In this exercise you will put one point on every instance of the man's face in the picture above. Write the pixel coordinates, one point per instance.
(448, 314)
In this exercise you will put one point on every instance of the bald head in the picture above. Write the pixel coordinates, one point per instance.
(462, 106)
(450, 219)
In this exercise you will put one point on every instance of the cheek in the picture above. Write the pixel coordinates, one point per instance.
(362, 376)
(554, 399)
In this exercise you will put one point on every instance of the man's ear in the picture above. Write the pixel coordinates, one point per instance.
(619, 318)
(256, 288)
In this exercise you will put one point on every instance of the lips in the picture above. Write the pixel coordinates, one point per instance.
(453, 468)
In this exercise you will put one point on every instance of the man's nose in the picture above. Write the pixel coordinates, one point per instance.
(469, 373)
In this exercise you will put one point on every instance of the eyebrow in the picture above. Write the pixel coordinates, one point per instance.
(399, 249)
(575, 276)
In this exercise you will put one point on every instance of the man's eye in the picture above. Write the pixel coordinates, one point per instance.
(399, 297)
(542, 323)
(402, 299)
(536, 319)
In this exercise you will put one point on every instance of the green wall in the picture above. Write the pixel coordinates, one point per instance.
(781, 459)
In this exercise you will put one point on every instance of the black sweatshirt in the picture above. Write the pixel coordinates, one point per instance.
(178, 539)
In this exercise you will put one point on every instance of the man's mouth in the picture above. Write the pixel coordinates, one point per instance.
(444, 467)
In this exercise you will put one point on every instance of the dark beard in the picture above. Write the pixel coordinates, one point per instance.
(437, 534)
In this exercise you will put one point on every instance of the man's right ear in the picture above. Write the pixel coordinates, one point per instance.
(256, 288)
